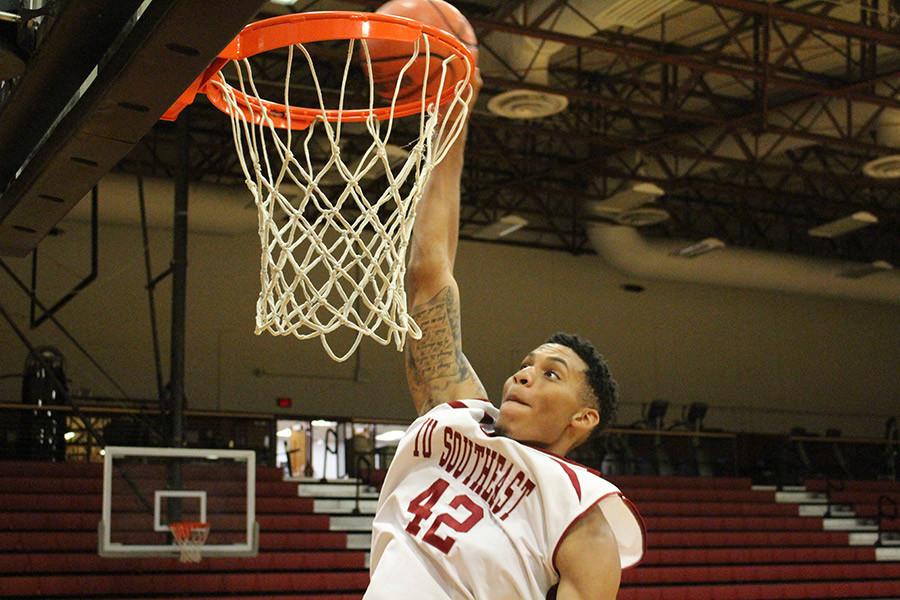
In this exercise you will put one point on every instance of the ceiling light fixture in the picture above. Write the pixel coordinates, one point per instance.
(878, 266)
(502, 227)
(843, 226)
(700, 248)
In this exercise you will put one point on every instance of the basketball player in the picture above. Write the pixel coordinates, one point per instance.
(479, 503)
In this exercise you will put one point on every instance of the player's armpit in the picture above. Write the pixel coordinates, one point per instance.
(436, 368)
(588, 560)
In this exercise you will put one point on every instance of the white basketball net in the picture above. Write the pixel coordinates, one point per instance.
(332, 260)
(190, 537)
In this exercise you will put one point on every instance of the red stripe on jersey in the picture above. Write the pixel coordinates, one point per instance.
(457, 404)
(572, 477)
(567, 460)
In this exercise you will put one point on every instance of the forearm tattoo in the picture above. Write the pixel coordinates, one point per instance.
(435, 363)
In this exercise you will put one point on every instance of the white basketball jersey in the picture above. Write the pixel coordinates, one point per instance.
(465, 514)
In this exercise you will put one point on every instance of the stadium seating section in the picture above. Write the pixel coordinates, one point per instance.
(715, 539)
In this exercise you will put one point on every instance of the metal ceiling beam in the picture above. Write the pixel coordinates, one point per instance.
(731, 123)
(727, 189)
(54, 73)
(824, 24)
(567, 151)
(684, 57)
(517, 133)
(692, 58)
(116, 109)
(620, 144)
(758, 75)
(562, 71)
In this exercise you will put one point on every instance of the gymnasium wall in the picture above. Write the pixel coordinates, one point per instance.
(763, 361)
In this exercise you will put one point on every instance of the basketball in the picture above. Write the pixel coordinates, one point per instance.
(389, 57)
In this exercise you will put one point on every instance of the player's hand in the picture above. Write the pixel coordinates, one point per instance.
(477, 82)
(451, 110)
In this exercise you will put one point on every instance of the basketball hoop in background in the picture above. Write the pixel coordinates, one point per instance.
(336, 258)
(189, 536)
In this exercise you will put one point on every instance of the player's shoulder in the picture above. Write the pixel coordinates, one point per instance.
(590, 530)
(602, 507)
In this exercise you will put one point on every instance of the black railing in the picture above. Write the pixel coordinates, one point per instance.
(360, 460)
(831, 486)
(330, 450)
(663, 452)
(90, 428)
(887, 511)
(95, 422)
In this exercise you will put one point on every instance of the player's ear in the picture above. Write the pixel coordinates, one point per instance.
(586, 418)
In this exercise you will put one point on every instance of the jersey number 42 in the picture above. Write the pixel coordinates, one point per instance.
(422, 509)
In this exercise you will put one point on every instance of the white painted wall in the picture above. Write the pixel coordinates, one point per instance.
(763, 361)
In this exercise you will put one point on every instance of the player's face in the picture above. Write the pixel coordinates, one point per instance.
(542, 397)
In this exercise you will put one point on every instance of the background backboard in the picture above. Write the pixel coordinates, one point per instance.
(145, 489)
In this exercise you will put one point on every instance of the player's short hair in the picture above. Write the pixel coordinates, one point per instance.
(602, 390)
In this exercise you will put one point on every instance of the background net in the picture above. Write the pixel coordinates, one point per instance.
(334, 256)
(190, 537)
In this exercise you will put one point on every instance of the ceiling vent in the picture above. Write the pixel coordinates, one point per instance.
(886, 167)
(641, 217)
(527, 104)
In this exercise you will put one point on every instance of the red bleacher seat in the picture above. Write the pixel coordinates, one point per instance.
(708, 539)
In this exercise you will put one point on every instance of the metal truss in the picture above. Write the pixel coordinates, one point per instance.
(757, 132)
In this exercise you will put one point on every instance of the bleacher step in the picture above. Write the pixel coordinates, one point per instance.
(708, 540)
(863, 539)
(359, 541)
(887, 554)
(334, 490)
(343, 506)
(314, 480)
(351, 523)
(774, 488)
(801, 497)
(848, 524)
(820, 510)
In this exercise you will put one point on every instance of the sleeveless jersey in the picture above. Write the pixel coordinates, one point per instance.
(466, 514)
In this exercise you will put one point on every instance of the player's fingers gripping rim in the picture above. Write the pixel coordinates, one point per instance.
(477, 82)
(468, 99)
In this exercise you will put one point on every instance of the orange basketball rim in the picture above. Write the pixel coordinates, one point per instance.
(286, 30)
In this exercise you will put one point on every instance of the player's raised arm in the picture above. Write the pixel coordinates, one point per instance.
(436, 368)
